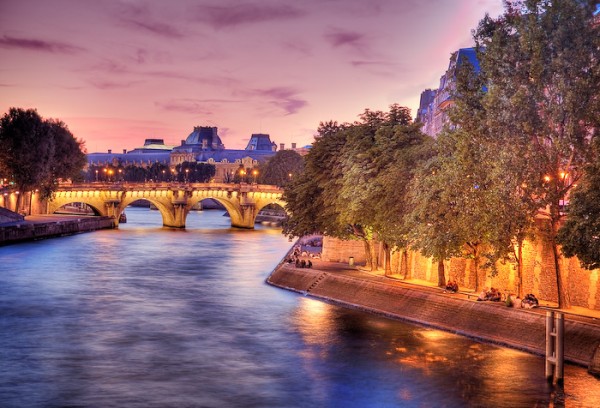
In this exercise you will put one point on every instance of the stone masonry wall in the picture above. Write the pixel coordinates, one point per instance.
(538, 271)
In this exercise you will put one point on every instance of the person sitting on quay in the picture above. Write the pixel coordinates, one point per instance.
(529, 301)
(309, 264)
(492, 294)
(452, 286)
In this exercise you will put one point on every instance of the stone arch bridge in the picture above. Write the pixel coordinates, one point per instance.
(173, 200)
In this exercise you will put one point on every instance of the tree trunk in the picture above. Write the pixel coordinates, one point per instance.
(475, 249)
(564, 301)
(18, 199)
(368, 257)
(387, 259)
(441, 274)
(520, 293)
(374, 256)
(404, 264)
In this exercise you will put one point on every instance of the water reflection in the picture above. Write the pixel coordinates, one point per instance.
(147, 316)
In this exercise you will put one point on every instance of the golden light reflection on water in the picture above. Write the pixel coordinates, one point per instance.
(313, 313)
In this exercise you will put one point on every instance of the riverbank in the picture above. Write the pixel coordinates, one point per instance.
(453, 312)
(49, 226)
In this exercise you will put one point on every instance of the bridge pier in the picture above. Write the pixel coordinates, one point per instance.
(112, 210)
(173, 200)
(246, 218)
(180, 212)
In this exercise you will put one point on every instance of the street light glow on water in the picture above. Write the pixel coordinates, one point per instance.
(146, 316)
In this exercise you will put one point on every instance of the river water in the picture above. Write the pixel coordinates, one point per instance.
(146, 316)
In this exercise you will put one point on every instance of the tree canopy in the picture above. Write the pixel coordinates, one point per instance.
(281, 168)
(36, 153)
(539, 63)
(355, 179)
(580, 234)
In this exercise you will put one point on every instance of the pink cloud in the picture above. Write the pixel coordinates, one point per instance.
(283, 98)
(155, 27)
(140, 17)
(39, 45)
(105, 84)
(219, 16)
(191, 106)
(343, 38)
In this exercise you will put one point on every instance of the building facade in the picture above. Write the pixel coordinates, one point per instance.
(434, 104)
(203, 145)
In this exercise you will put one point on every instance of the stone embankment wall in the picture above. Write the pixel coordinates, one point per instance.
(33, 231)
(538, 277)
(489, 321)
(9, 216)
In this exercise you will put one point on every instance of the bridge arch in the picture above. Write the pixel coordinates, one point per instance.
(160, 206)
(173, 200)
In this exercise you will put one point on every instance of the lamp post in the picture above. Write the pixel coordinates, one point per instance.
(96, 176)
(187, 172)
(242, 176)
(255, 174)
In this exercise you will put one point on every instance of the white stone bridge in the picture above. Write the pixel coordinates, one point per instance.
(173, 200)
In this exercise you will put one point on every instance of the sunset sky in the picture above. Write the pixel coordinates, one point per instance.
(118, 72)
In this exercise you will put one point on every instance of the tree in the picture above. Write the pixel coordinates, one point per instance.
(191, 172)
(37, 153)
(445, 197)
(580, 234)
(310, 196)
(281, 168)
(542, 77)
(350, 172)
(499, 213)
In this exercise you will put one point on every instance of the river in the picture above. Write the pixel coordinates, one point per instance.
(146, 316)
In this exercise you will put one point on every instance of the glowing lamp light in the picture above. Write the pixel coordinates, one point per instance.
(547, 178)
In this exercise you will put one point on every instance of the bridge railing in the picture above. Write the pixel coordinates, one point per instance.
(126, 185)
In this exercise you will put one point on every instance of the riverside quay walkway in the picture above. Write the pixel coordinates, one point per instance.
(460, 313)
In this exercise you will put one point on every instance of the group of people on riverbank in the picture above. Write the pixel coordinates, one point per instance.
(296, 258)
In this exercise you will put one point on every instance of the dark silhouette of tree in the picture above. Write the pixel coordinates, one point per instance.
(37, 153)
(281, 168)
(193, 172)
(580, 234)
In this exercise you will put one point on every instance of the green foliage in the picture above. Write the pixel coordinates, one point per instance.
(36, 153)
(356, 179)
(281, 168)
(191, 172)
(541, 70)
(580, 234)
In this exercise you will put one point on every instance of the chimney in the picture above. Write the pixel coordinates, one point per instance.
(293, 146)
(124, 151)
(182, 142)
(281, 146)
(109, 151)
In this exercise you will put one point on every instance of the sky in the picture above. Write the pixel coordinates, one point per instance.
(119, 72)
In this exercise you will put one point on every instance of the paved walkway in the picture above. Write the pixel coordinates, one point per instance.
(577, 313)
(41, 219)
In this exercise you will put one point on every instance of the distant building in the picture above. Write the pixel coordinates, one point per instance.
(202, 145)
(434, 105)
